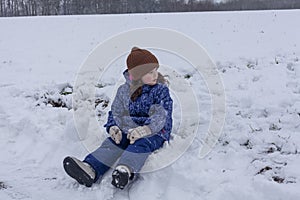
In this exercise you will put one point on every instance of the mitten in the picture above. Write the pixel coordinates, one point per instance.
(137, 133)
(115, 134)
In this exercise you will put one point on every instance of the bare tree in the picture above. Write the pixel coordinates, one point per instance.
(69, 7)
(1, 8)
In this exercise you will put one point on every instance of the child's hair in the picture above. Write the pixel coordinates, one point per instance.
(136, 86)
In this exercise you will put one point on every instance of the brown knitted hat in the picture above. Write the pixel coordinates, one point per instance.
(140, 62)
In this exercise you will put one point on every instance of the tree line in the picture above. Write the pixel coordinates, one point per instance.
(78, 7)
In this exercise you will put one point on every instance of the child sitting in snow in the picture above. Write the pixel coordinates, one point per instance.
(140, 121)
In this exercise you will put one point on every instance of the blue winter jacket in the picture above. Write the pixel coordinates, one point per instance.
(152, 108)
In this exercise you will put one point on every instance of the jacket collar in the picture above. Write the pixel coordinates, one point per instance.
(126, 76)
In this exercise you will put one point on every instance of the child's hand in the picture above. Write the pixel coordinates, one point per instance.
(115, 134)
(137, 133)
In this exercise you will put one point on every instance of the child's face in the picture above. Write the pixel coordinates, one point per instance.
(151, 77)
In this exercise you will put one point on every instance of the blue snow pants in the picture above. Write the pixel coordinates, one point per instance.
(132, 155)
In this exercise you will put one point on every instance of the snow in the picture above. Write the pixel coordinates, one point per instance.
(257, 56)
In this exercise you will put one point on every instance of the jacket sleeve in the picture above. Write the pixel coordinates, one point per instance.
(160, 115)
(116, 112)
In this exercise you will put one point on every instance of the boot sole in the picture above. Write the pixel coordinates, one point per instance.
(131, 181)
(74, 171)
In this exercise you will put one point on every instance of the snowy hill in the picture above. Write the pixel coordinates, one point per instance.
(257, 55)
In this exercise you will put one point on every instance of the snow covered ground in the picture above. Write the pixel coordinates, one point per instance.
(257, 156)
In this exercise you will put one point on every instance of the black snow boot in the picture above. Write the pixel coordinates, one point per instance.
(121, 176)
(82, 172)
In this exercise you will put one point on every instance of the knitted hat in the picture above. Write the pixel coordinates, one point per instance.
(140, 62)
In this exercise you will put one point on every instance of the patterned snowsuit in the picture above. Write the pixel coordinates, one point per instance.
(152, 108)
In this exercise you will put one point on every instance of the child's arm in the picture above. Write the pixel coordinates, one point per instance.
(116, 112)
(161, 114)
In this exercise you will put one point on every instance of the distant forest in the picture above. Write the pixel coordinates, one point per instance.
(10, 8)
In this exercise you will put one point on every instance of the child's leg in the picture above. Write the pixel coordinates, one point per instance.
(136, 154)
(106, 155)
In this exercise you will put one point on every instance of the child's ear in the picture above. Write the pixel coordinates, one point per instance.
(130, 77)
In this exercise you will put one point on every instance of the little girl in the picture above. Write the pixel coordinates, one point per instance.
(140, 121)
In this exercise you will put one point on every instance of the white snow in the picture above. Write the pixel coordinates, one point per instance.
(257, 157)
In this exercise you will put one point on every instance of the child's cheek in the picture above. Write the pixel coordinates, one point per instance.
(146, 79)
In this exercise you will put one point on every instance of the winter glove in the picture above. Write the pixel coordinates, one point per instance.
(137, 133)
(115, 134)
